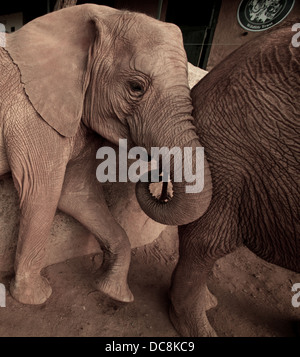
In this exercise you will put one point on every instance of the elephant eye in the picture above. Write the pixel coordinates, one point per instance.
(136, 88)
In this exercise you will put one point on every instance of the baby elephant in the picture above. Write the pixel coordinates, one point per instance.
(88, 69)
(247, 112)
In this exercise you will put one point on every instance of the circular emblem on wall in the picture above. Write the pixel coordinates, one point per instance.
(260, 15)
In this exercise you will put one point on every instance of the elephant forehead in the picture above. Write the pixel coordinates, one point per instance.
(149, 43)
(157, 61)
(158, 46)
(145, 31)
(162, 31)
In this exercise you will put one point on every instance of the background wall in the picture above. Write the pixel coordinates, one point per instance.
(12, 22)
(229, 35)
(148, 7)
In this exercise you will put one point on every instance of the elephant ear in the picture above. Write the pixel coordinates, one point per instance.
(52, 53)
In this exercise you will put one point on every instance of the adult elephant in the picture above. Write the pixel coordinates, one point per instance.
(246, 112)
(81, 69)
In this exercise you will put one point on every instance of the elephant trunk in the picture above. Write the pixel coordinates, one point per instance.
(183, 207)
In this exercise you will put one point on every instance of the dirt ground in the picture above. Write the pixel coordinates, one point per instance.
(254, 298)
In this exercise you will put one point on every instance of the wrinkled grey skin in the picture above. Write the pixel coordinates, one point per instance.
(81, 69)
(247, 114)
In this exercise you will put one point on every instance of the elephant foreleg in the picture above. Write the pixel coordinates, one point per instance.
(83, 199)
(190, 299)
(37, 214)
(201, 243)
(37, 157)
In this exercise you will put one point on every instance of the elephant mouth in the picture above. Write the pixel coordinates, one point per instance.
(161, 191)
(172, 193)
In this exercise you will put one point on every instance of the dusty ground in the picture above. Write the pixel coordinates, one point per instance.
(254, 298)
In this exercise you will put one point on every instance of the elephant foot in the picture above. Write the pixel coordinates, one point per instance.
(188, 312)
(189, 325)
(111, 278)
(114, 288)
(34, 290)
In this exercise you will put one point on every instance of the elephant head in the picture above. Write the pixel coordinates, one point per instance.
(122, 74)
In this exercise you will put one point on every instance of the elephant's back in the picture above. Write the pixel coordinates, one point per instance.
(247, 112)
(250, 103)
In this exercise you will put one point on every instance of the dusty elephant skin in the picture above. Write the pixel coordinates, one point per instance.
(247, 117)
(69, 73)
